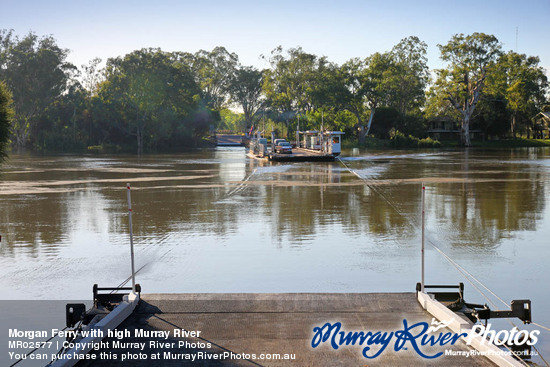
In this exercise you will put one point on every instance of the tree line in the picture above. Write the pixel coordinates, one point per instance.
(150, 100)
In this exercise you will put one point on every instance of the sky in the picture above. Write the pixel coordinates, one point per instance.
(339, 30)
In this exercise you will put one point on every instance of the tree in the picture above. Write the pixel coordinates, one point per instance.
(294, 84)
(213, 70)
(6, 115)
(366, 88)
(232, 121)
(92, 76)
(470, 59)
(36, 72)
(385, 121)
(353, 98)
(292, 81)
(408, 76)
(523, 83)
(375, 83)
(60, 127)
(245, 90)
(395, 79)
(149, 87)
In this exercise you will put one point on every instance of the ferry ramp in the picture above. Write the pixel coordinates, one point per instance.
(272, 325)
(228, 140)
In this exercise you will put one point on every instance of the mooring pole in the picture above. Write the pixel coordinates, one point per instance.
(131, 239)
(422, 280)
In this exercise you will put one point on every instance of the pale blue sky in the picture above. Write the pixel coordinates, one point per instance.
(339, 30)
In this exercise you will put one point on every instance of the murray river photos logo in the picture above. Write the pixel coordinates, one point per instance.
(416, 336)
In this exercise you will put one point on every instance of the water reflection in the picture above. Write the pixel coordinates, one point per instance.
(474, 199)
(209, 206)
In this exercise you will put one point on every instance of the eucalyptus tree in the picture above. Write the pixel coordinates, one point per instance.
(395, 79)
(353, 98)
(292, 80)
(149, 87)
(245, 90)
(408, 75)
(297, 83)
(367, 86)
(470, 59)
(523, 83)
(92, 76)
(36, 72)
(375, 81)
(328, 90)
(213, 71)
(6, 115)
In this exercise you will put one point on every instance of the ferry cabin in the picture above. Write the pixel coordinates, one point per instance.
(328, 142)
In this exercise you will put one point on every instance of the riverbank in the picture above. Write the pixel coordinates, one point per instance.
(375, 143)
(506, 143)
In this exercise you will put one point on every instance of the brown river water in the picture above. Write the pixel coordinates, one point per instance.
(217, 221)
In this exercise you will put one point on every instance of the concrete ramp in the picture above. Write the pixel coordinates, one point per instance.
(227, 140)
(260, 326)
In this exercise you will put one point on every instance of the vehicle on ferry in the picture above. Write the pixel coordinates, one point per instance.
(283, 147)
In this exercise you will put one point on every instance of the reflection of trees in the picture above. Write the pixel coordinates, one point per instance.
(301, 210)
(295, 204)
(494, 199)
(185, 210)
(29, 222)
(485, 212)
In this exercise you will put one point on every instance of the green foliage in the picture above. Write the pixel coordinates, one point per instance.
(245, 90)
(232, 121)
(36, 72)
(400, 140)
(151, 95)
(437, 101)
(394, 79)
(492, 115)
(297, 83)
(470, 59)
(386, 119)
(412, 124)
(214, 73)
(428, 143)
(92, 76)
(409, 75)
(519, 80)
(497, 92)
(155, 100)
(6, 115)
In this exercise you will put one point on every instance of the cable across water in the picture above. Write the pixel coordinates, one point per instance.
(467, 275)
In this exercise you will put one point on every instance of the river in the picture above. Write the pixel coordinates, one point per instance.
(217, 221)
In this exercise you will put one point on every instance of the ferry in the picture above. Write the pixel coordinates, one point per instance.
(309, 146)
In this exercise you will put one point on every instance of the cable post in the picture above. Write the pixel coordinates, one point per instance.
(131, 239)
(423, 198)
